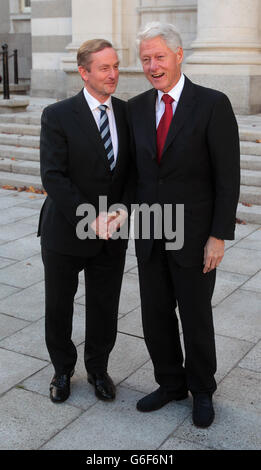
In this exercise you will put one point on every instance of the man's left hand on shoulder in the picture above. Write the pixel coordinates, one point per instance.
(213, 253)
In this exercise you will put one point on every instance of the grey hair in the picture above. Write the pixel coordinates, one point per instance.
(167, 31)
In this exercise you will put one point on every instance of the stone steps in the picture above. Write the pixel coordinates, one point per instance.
(20, 180)
(250, 148)
(16, 140)
(250, 194)
(251, 178)
(20, 166)
(249, 134)
(250, 162)
(19, 128)
(19, 153)
(22, 118)
(250, 214)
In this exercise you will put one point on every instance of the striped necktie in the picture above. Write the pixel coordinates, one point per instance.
(106, 135)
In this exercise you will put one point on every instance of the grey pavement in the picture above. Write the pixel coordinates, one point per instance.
(29, 420)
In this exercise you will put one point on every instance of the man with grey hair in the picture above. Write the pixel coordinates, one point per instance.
(186, 147)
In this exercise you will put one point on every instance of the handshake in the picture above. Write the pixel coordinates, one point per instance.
(107, 223)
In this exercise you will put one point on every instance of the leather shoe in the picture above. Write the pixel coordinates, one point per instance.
(60, 387)
(159, 398)
(203, 411)
(103, 384)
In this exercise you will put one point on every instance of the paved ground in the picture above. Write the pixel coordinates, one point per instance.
(29, 420)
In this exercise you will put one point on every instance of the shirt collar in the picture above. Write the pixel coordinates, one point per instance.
(175, 92)
(93, 102)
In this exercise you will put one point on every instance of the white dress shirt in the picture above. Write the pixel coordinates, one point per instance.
(174, 93)
(93, 104)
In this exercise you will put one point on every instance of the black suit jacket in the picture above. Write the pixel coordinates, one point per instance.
(200, 166)
(75, 170)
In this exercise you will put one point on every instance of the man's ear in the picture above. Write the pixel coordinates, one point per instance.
(180, 55)
(83, 72)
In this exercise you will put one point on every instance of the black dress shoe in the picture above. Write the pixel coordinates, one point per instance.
(104, 386)
(60, 387)
(159, 398)
(203, 411)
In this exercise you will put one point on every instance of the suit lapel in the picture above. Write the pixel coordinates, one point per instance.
(185, 104)
(148, 113)
(119, 127)
(88, 125)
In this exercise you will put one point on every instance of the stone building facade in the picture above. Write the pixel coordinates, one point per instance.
(221, 39)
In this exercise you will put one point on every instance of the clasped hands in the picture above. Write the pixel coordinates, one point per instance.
(107, 223)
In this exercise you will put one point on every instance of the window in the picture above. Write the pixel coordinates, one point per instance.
(25, 6)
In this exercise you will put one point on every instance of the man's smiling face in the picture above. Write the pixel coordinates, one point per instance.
(161, 65)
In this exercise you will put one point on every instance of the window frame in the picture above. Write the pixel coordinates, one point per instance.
(24, 8)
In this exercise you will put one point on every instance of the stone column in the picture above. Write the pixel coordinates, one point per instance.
(95, 19)
(227, 51)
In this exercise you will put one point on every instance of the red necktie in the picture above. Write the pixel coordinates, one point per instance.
(163, 127)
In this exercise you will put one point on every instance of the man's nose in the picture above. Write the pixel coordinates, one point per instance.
(113, 73)
(153, 65)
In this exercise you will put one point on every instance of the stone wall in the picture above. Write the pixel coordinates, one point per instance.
(51, 32)
(15, 30)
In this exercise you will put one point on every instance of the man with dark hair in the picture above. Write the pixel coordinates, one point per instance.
(84, 155)
(186, 145)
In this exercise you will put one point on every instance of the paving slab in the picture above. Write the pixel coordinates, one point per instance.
(6, 290)
(130, 294)
(28, 420)
(27, 304)
(226, 283)
(30, 340)
(173, 443)
(234, 428)
(5, 261)
(16, 367)
(241, 231)
(32, 203)
(243, 388)
(8, 201)
(33, 221)
(237, 424)
(254, 283)
(128, 355)
(15, 213)
(229, 352)
(21, 248)
(9, 325)
(130, 263)
(23, 273)
(241, 260)
(15, 230)
(252, 241)
(252, 360)
(142, 379)
(238, 316)
(118, 425)
(131, 323)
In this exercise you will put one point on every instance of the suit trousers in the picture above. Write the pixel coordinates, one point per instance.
(103, 277)
(163, 285)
